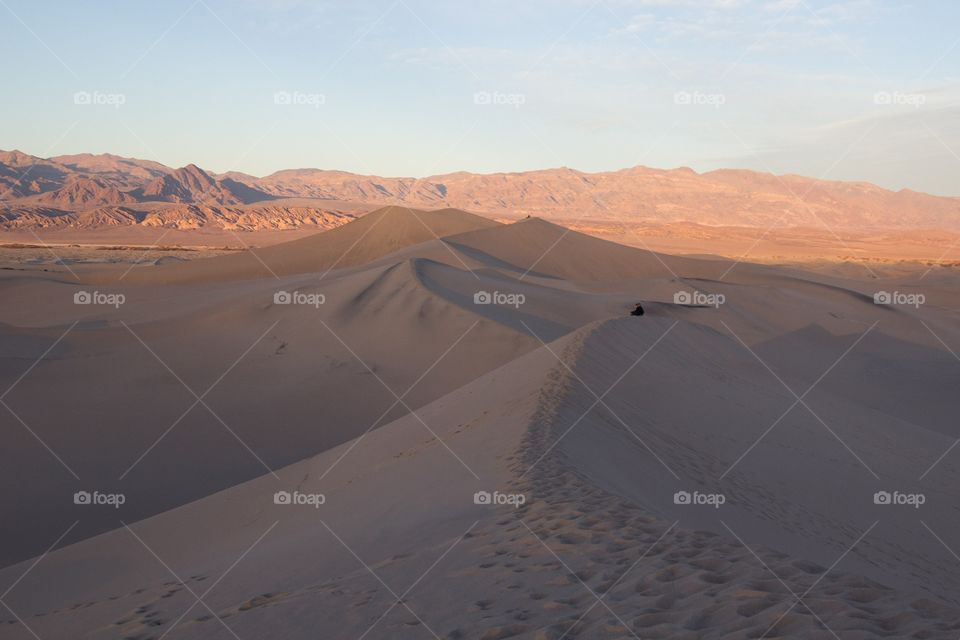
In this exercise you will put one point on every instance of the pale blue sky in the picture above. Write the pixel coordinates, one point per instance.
(391, 87)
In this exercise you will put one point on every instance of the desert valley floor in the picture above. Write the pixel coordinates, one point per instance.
(426, 424)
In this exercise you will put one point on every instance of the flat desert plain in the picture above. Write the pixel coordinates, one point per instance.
(428, 424)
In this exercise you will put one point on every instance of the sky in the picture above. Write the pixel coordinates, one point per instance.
(846, 90)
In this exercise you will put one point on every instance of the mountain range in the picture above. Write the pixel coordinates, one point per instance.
(92, 191)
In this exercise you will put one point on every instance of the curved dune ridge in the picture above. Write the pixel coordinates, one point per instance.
(543, 248)
(451, 355)
(373, 236)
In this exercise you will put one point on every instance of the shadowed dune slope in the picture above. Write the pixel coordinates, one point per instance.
(303, 379)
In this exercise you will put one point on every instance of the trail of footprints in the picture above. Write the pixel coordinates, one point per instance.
(687, 584)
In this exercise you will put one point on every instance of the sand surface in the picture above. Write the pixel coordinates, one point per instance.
(782, 399)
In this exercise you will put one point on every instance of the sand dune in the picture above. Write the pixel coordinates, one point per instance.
(564, 254)
(385, 317)
(398, 315)
(375, 235)
(595, 417)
